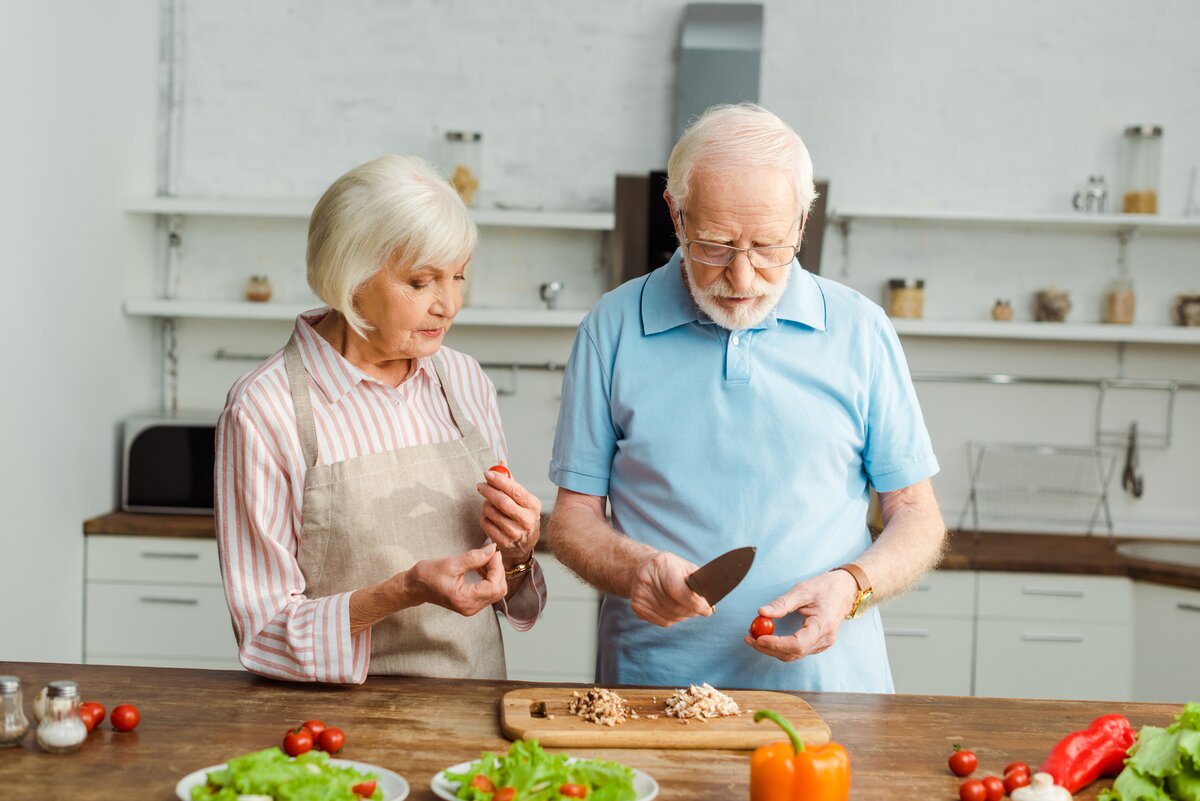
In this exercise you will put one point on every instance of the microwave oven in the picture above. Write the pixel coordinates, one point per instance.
(167, 463)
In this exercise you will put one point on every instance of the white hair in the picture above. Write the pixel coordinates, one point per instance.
(730, 136)
(395, 210)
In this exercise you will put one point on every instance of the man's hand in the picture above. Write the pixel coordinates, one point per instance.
(660, 594)
(824, 600)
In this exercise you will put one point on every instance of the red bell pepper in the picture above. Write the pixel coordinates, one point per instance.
(1084, 756)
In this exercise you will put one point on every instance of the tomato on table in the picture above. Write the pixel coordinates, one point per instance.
(125, 717)
(297, 741)
(1014, 779)
(501, 469)
(972, 790)
(994, 788)
(331, 740)
(88, 717)
(962, 762)
(315, 727)
(97, 709)
(762, 627)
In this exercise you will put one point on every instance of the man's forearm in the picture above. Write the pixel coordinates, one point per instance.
(912, 542)
(584, 542)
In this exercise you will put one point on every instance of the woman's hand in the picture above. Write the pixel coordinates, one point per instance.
(512, 517)
(444, 581)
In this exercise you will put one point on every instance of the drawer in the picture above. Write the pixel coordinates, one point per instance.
(930, 655)
(944, 593)
(1166, 644)
(1053, 596)
(560, 647)
(1049, 659)
(158, 621)
(156, 560)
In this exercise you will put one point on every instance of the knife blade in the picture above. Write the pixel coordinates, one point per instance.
(717, 579)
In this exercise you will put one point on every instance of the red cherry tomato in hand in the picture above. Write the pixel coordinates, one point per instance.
(994, 788)
(331, 740)
(315, 727)
(501, 469)
(125, 717)
(573, 791)
(98, 711)
(364, 789)
(481, 782)
(963, 763)
(1014, 779)
(505, 794)
(762, 627)
(297, 741)
(972, 790)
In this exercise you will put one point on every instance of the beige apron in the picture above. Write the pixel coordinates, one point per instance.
(368, 518)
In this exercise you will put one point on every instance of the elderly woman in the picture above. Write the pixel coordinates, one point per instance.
(350, 465)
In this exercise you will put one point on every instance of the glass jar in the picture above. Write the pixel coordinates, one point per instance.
(13, 723)
(61, 729)
(464, 162)
(1143, 163)
(1002, 310)
(906, 297)
(1051, 306)
(258, 289)
(1119, 302)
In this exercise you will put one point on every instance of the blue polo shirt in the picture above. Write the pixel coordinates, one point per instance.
(705, 439)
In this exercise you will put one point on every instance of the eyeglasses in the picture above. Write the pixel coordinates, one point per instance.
(717, 255)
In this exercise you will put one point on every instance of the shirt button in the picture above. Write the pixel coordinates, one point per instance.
(735, 341)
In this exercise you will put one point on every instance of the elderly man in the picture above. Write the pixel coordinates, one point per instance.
(730, 398)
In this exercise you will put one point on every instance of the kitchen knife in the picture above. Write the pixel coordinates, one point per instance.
(718, 578)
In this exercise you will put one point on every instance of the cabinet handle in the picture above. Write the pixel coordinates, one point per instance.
(1056, 592)
(905, 632)
(924, 587)
(1187, 607)
(154, 599)
(1027, 637)
(168, 555)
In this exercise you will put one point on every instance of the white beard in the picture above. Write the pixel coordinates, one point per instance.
(745, 315)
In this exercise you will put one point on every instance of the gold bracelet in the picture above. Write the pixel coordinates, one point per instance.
(521, 568)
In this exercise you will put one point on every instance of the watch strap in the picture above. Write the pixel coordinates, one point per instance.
(860, 575)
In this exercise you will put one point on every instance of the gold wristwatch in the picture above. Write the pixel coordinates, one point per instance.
(865, 593)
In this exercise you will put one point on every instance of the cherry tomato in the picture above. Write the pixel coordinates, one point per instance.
(481, 782)
(761, 627)
(573, 791)
(1021, 766)
(98, 710)
(364, 789)
(315, 727)
(125, 717)
(994, 788)
(1014, 779)
(972, 790)
(297, 741)
(88, 717)
(331, 740)
(963, 763)
(505, 794)
(501, 469)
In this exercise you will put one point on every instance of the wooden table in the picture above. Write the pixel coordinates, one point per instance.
(194, 718)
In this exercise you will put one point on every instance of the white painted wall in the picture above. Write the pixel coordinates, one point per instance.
(78, 129)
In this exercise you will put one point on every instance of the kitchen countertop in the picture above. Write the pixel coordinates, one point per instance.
(195, 718)
(1032, 553)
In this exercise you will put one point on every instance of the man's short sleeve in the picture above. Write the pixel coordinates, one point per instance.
(898, 452)
(585, 440)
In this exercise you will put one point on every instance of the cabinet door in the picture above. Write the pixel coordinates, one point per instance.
(562, 645)
(154, 560)
(941, 593)
(930, 655)
(1053, 659)
(1166, 644)
(158, 621)
(1054, 596)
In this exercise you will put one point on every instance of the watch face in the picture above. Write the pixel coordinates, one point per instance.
(862, 602)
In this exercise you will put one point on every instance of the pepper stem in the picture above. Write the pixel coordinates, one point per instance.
(783, 723)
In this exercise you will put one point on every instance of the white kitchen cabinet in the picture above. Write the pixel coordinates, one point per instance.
(1042, 635)
(156, 601)
(1166, 644)
(562, 646)
(930, 634)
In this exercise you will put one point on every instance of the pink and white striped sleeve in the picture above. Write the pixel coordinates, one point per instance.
(280, 632)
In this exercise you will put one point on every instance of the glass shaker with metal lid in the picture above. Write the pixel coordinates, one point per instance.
(61, 729)
(13, 723)
(1142, 170)
(464, 162)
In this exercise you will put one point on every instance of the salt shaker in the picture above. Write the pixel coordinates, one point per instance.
(13, 723)
(61, 729)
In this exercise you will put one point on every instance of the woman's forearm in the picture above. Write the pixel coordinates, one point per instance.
(372, 604)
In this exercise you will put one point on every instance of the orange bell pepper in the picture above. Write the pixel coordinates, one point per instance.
(788, 771)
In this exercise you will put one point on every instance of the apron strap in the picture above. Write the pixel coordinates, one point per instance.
(465, 427)
(298, 382)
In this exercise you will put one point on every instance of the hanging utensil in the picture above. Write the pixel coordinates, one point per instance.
(1131, 479)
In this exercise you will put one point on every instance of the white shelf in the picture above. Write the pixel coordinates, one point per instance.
(1096, 222)
(301, 209)
(244, 310)
(1054, 332)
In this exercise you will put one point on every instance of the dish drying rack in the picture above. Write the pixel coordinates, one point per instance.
(1066, 485)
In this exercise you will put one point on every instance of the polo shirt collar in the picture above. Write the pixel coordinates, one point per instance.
(667, 302)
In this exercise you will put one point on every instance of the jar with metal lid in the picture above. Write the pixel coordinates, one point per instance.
(258, 289)
(464, 162)
(13, 723)
(61, 729)
(1142, 169)
(906, 297)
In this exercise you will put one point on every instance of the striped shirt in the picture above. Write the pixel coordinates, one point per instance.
(260, 471)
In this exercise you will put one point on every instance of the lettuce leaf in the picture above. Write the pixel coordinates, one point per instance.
(537, 775)
(308, 777)
(1164, 764)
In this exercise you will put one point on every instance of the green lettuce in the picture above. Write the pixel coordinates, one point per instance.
(537, 775)
(308, 777)
(1164, 764)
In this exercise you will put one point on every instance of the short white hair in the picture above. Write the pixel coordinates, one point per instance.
(395, 210)
(731, 136)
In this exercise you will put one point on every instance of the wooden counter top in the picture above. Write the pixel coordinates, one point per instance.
(195, 718)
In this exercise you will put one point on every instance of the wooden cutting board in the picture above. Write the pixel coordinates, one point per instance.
(540, 713)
